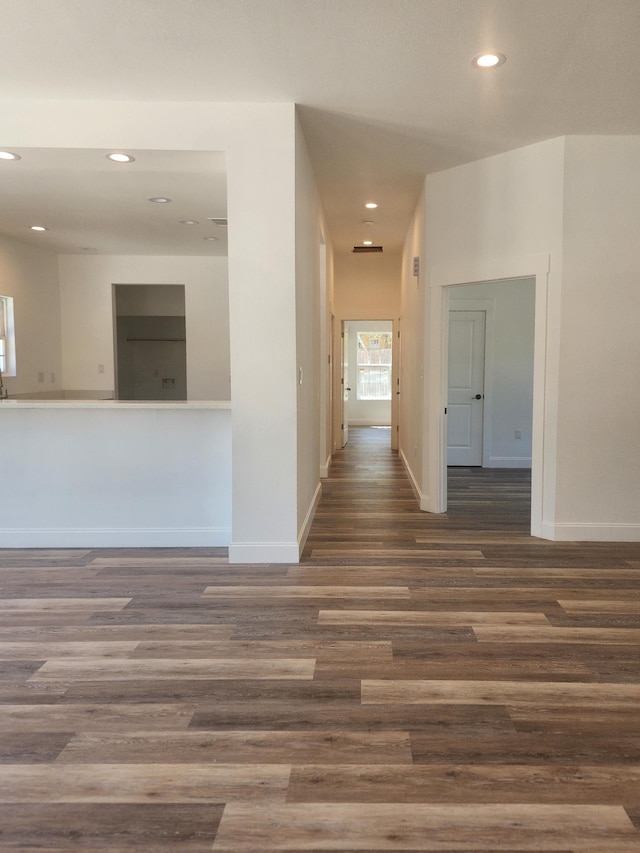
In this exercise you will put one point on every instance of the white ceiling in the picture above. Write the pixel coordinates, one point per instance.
(92, 205)
(385, 87)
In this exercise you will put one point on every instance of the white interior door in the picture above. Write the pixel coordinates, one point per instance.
(345, 383)
(465, 406)
(395, 385)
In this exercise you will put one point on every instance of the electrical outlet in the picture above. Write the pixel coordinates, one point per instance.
(41, 376)
(101, 368)
(518, 433)
(53, 377)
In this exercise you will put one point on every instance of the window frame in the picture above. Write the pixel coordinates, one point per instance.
(367, 366)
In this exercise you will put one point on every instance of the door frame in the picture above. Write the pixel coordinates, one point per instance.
(344, 387)
(542, 461)
(338, 328)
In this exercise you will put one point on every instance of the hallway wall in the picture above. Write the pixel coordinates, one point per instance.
(571, 206)
(414, 357)
(367, 286)
(309, 305)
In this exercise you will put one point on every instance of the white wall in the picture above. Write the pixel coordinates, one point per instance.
(309, 310)
(30, 276)
(326, 355)
(599, 407)
(87, 317)
(367, 286)
(412, 353)
(262, 292)
(510, 307)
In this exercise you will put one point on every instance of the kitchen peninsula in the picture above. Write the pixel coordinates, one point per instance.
(108, 473)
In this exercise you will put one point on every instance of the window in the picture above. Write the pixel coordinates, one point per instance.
(7, 337)
(374, 366)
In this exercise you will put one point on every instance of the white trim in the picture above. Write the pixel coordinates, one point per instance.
(324, 468)
(566, 532)
(395, 383)
(423, 500)
(308, 519)
(114, 537)
(435, 463)
(264, 552)
(485, 269)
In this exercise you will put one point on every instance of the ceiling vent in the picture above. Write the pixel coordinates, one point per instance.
(221, 223)
(359, 249)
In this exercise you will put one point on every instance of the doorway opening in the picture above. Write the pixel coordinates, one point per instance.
(512, 396)
(150, 342)
(490, 406)
(490, 374)
(367, 375)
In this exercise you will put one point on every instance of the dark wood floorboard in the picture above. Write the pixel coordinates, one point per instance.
(417, 683)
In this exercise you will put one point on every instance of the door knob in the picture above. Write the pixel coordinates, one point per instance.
(477, 397)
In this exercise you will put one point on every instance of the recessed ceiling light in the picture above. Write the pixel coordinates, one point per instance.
(210, 238)
(368, 222)
(159, 199)
(120, 158)
(371, 205)
(488, 60)
(188, 221)
(9, 155)
(367, 242)
(38, 228)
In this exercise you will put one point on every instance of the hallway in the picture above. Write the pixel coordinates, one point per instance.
(368, 505)
(417, 683)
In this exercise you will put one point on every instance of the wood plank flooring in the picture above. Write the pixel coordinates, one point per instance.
(417, 683)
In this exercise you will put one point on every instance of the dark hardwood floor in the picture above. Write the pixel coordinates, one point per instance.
(417, 683)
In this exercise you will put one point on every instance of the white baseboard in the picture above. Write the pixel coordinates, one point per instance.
(423, 500)
(564, 532)
(508, 462)
(308, 519)
(179, 537)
